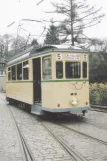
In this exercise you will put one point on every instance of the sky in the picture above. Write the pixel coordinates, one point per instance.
(16, 10)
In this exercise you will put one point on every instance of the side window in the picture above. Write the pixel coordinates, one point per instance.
(59, 70)
(84, 69)
(19, 71)
(25, 70)
(9, 73)
(13, 70)
(46, 68)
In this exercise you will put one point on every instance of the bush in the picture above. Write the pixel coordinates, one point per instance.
(98, 94)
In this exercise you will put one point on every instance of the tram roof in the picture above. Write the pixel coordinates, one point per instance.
(34, 51)
(59, 47)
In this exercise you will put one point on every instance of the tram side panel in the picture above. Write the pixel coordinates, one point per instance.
(21, 90)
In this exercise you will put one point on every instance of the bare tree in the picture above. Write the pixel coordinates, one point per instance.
(78, 15)
(98, 45)
(5, 41)
(18, 43)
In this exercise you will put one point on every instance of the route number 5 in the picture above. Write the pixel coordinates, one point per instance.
(59, 56)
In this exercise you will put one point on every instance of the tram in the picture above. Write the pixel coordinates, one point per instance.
(52, 78)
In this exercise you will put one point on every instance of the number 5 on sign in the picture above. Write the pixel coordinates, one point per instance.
(59, 56)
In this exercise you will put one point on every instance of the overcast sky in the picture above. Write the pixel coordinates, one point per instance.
(15, 10)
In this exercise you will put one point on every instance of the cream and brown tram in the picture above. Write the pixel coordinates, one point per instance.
(51, 78)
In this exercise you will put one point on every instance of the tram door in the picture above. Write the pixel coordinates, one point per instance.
(37, 80)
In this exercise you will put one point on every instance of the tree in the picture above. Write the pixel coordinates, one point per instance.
(5, 41)
(52, 36)
(98, 45)
(34, 42)
(9, 45)
(17, 44)
(78, 16)
(98, 60)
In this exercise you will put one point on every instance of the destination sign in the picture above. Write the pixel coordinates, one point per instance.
(73, 56)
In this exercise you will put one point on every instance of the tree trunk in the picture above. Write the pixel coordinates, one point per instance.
(72, 35)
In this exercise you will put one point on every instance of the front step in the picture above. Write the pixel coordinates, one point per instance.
(36, 109)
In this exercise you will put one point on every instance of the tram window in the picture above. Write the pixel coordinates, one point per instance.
(46, 68)
(9, 75)
(13, 70)
(59, 70)
(72, 69)
(25, 70)
(84, 69)
(19, 71)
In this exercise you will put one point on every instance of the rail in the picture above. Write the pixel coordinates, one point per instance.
(98, 108)
(73, 153)
(26, 152)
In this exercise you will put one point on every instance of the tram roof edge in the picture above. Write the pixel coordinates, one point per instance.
(58, 47)
(35, 50)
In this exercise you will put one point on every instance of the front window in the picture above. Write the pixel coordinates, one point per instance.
(46, 68)
(72, 69)
(59, 70)
(84, 69)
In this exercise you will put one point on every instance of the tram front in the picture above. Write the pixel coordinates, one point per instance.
(67, 86)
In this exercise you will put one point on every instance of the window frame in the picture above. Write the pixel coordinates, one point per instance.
(73, 77)
(13, 72)
(9, 74)
(83, 69)
(48, 68)
(26, 70)
(21, 73)
(57, 70)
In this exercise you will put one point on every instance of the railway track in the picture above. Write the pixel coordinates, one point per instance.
(94, 124)
(64, 136)
(26, 152)
(81, 133)
(98, 108)
(76, 156)
(73, 153)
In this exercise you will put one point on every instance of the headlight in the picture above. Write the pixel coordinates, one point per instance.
(74, 101)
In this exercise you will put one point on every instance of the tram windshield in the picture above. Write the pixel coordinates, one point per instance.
(72, 70)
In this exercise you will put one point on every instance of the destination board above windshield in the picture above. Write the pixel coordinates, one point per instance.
(74, 56)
